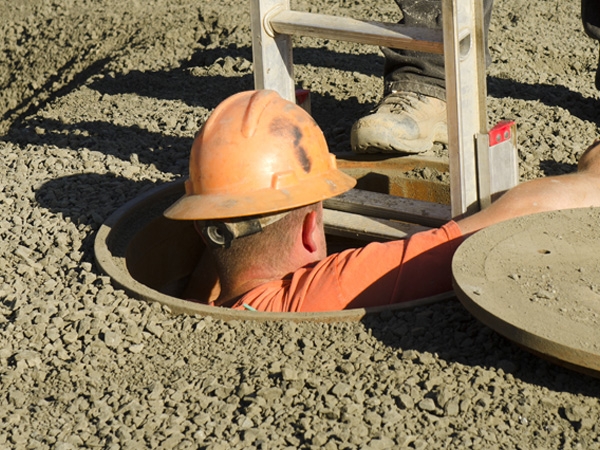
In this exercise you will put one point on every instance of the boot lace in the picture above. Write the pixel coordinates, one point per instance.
(397, 101)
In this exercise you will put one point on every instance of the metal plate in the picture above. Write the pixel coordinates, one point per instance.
(536, 281)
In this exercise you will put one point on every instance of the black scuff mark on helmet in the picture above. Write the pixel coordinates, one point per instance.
(303, 158)
(282, 128)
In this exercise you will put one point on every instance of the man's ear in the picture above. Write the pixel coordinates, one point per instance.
(309, 232)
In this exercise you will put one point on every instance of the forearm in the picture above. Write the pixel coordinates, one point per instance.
(577, 190)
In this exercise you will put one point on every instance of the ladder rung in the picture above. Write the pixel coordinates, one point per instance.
(390, 207)
(361, 31)
(358, 226)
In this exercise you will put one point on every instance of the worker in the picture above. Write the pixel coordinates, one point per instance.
(259, 170)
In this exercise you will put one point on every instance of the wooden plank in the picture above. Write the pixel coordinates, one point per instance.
(345, 224)
(362, 31)
(386, 206)
(382, 161)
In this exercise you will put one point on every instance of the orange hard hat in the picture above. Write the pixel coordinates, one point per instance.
(257, 154)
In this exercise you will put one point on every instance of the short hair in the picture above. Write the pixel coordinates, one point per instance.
(267, 246)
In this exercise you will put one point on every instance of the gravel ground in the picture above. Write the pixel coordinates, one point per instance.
(99, 102)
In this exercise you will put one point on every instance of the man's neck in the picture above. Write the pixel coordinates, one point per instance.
(231, 290)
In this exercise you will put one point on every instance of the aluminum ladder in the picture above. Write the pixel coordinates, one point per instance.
(482, 162)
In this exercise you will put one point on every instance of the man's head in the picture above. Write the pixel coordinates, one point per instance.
(295, 240)
(257, 155)
(259, 169)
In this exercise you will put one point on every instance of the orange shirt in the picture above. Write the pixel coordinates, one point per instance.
(374, 275)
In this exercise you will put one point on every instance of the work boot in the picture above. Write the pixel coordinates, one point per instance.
(403, 122)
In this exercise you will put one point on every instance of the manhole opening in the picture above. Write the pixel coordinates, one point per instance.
(163, 254)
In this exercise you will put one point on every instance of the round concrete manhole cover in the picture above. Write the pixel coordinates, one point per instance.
(536, 281)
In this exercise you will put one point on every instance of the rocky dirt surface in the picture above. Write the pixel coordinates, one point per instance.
(99, 102)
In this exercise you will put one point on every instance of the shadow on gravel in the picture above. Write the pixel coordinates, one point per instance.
(460, 338)
(175, 85)
(551, 167)
(46, 94)
(549, 94)
(89, 199)
(335, 116)
(202, 90)
(167, 153)
(182, 84)
(366, 64)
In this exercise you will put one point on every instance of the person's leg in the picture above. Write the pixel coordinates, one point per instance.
(575, 190)
(590, 15)
(412, 114)
(422, 73)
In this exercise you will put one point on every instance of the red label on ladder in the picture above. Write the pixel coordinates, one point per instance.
(501, 132)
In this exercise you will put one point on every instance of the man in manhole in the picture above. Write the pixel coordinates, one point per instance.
(259, 170)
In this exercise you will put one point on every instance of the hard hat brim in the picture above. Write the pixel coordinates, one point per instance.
(265, 201)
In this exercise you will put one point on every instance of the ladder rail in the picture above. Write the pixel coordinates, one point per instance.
(464, 64)
(271, 52)
(461, 42)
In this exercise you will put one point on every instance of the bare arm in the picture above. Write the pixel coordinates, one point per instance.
(576, 190)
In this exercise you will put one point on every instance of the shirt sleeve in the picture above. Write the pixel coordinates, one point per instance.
(399, 271)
